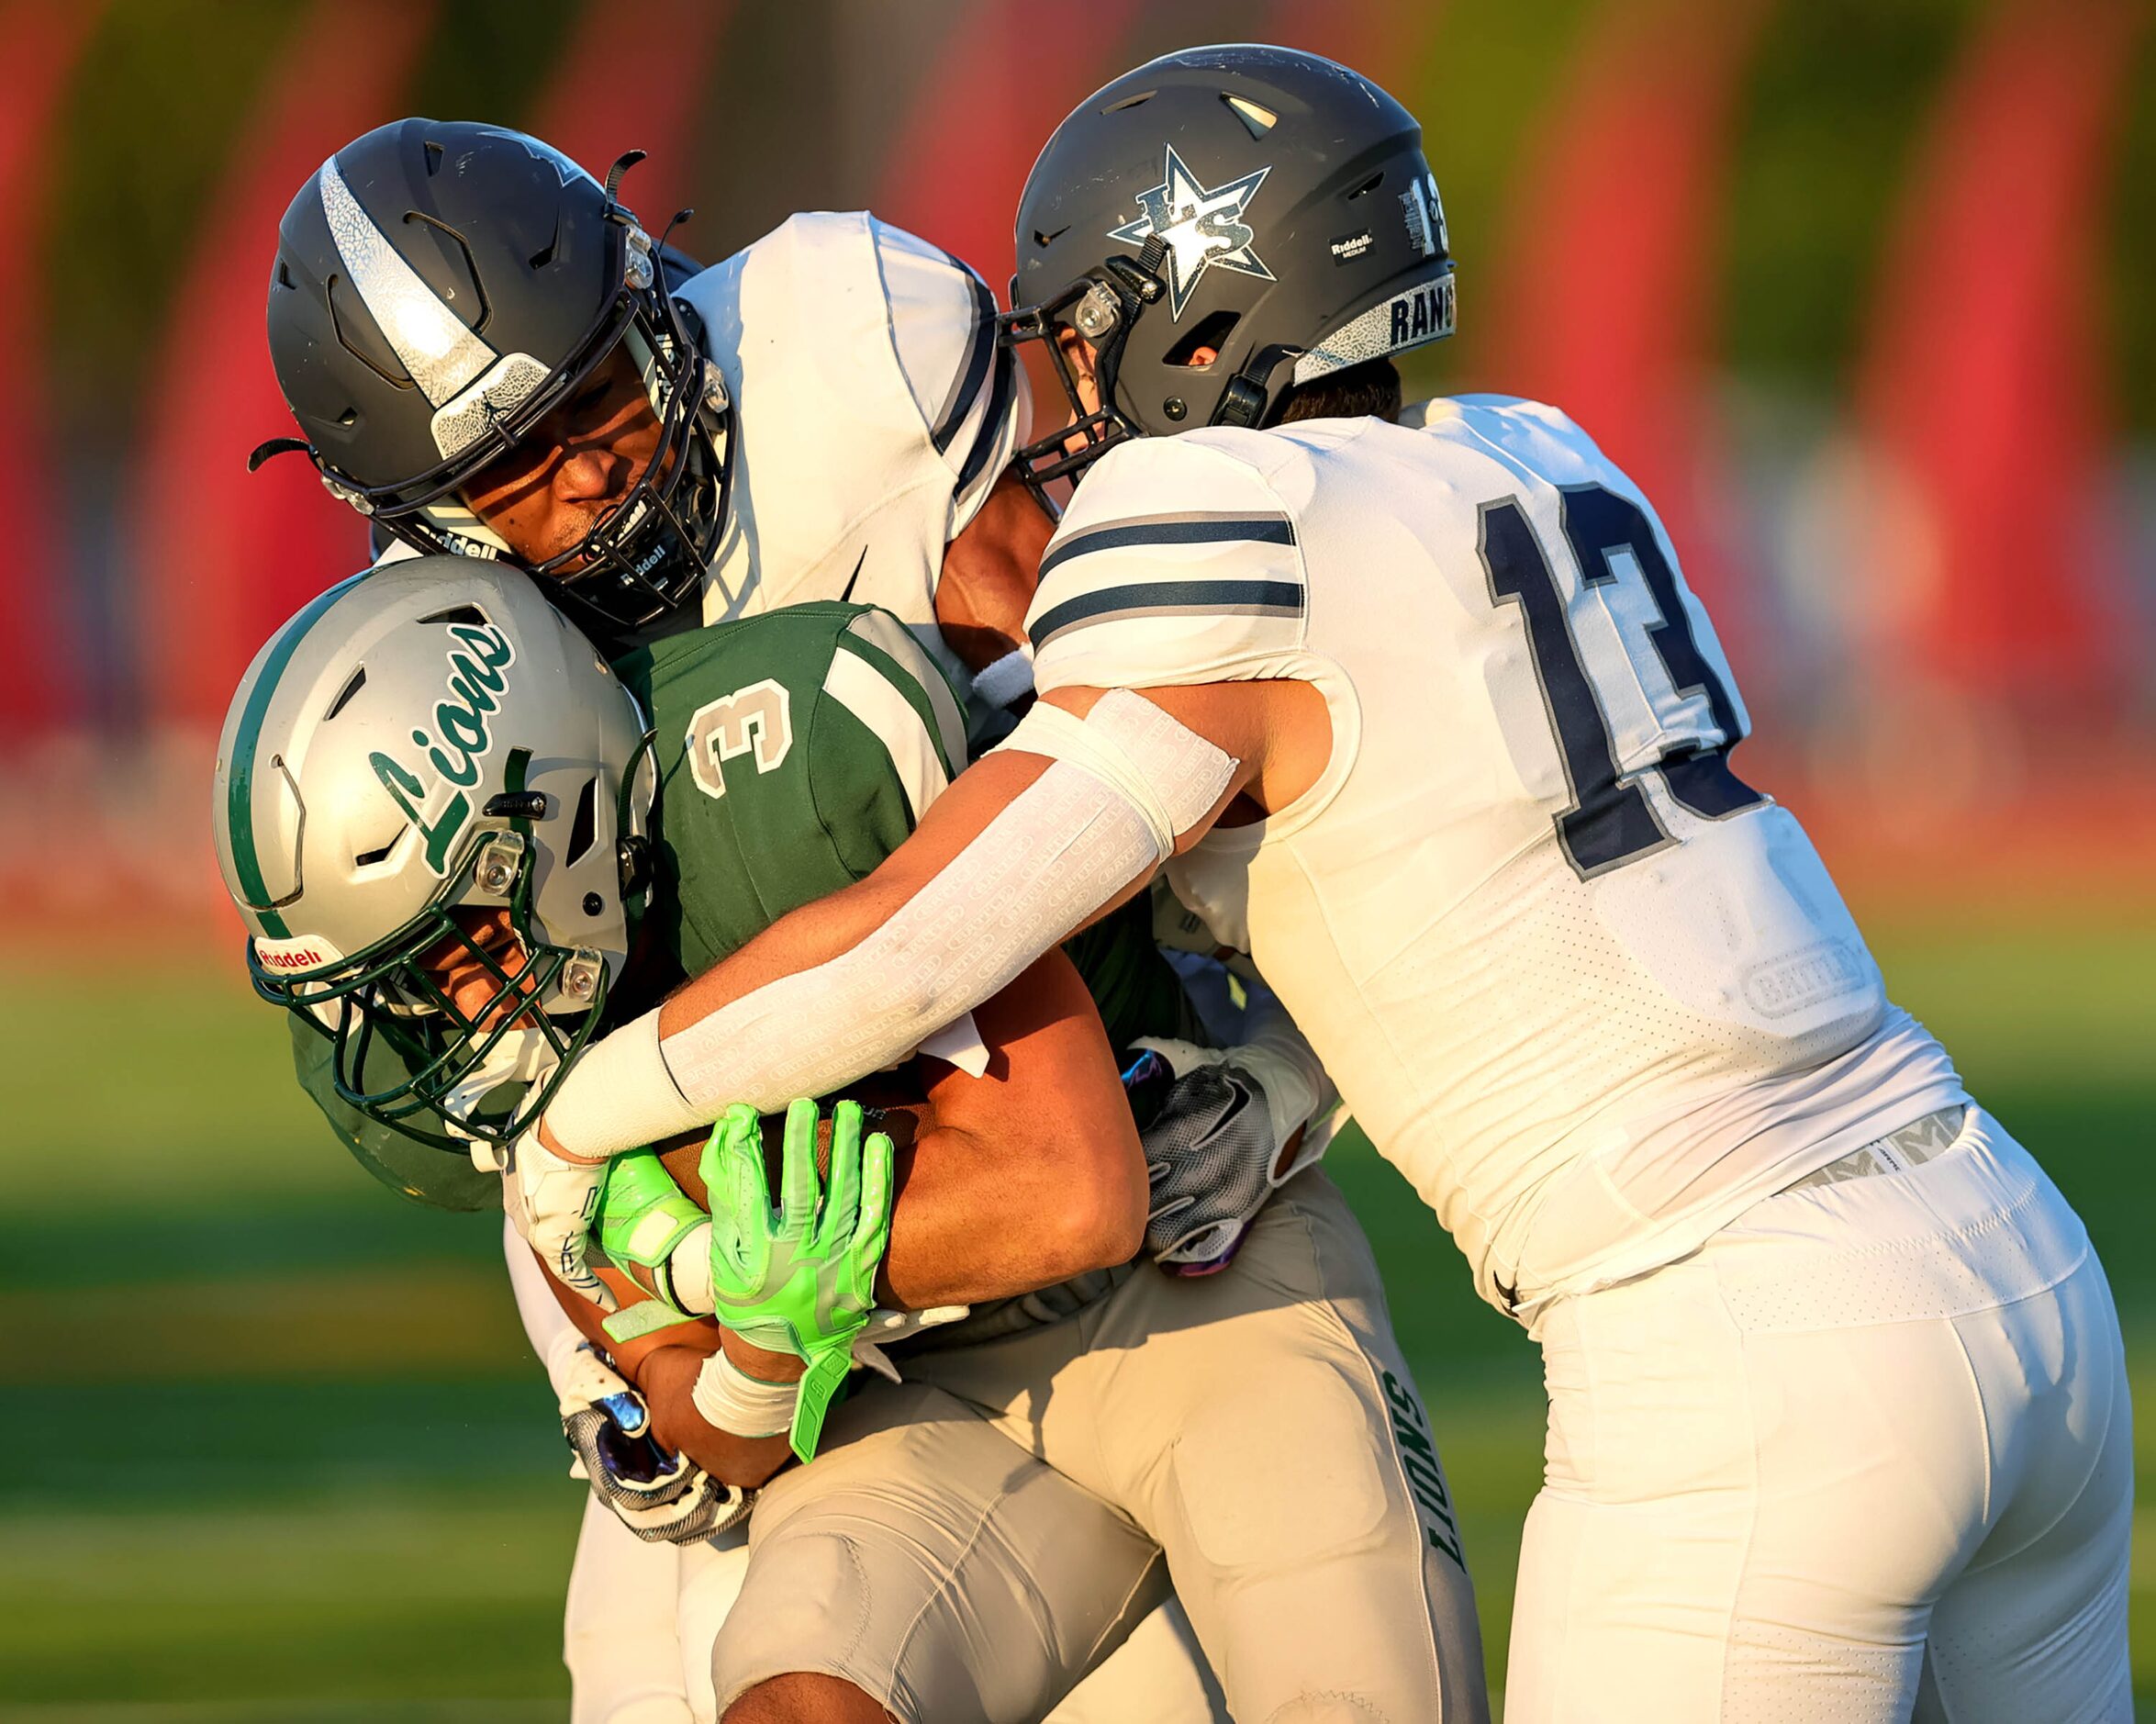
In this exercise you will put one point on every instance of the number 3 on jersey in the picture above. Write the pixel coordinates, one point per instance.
(1610, 820)
(756, 719)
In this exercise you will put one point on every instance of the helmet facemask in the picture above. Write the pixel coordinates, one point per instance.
(645, 557)
(1100, 308)
(486, 1053)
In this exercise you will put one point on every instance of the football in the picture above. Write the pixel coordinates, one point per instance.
(893, 1103)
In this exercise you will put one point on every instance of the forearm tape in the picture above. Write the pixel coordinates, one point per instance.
(1124, 783)
(732, 1401)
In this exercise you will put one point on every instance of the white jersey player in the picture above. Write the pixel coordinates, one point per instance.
(1432, 726)
(855, 390)
(876, 414)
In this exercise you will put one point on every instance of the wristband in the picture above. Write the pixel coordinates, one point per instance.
(1009, 679)
(741, 1405)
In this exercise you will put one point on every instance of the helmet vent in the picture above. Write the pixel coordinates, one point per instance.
(584, 823)
(1367, 187)
(284, 274)
(1046, 240)
(344, 700)
(470, 614)
(1256, 120)
(474, 310)
(367, 859)
(353, 336)
(433, 158)
(545, 255)
(1210, 330)
(1141, 97)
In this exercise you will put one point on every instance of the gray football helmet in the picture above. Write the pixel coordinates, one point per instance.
(440, 286)
(430, 775)
(1269, 206)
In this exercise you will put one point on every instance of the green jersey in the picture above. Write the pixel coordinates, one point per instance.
(796, 750)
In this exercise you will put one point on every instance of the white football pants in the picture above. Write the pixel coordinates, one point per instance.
(642, 1618)
(1865, 1456)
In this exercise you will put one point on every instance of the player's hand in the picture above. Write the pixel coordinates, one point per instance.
(1232, 1129)
(662, 1498)
(644, 1221)
(799, 1279)
(552, 1201)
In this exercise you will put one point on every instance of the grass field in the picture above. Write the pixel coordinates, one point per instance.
(277, 1451)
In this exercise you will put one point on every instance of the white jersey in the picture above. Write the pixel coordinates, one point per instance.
(873, 411)
(1591, 992)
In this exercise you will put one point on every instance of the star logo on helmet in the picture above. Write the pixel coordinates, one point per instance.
(1202, 229)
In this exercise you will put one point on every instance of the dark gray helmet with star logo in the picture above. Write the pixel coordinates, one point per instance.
(1271, 206)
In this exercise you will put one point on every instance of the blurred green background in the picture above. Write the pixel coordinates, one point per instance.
(281, 1452)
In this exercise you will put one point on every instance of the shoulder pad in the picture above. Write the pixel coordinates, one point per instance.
(1543, 434)
(875, 409)
(970, 391)
(1176, 563)
(885, 678)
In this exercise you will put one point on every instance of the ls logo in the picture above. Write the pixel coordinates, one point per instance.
(1200, 228)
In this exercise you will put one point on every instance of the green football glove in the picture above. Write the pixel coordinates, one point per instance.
(643, 1217)
(799, 1280)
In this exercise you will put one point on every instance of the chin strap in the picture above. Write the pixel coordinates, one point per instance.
(1246, 401)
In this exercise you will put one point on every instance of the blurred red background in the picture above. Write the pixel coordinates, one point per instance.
(1856, 293)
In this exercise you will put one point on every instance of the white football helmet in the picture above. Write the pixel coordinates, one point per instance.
(431, 806)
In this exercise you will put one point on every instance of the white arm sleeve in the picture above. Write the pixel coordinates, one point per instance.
(1107, 811)
(547, 1325)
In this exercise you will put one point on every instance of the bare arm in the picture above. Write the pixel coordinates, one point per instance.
(1029, 1174)
(989, 575)
(1017, 1179)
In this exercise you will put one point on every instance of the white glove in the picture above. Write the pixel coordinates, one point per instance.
(1212, 1153)
(552, 1202)
(662, 1498)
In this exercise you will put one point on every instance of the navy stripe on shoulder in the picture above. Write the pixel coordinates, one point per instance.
(1170, 598)
(983, 347)
(1173, 530)
(991, 433)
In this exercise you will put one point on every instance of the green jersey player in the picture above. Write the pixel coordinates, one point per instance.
(431, 797)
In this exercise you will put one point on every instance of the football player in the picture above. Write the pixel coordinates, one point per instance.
(1425, 718)
(477, 340)
(430, 795)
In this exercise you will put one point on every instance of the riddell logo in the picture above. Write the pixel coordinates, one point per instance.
(290, 957)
